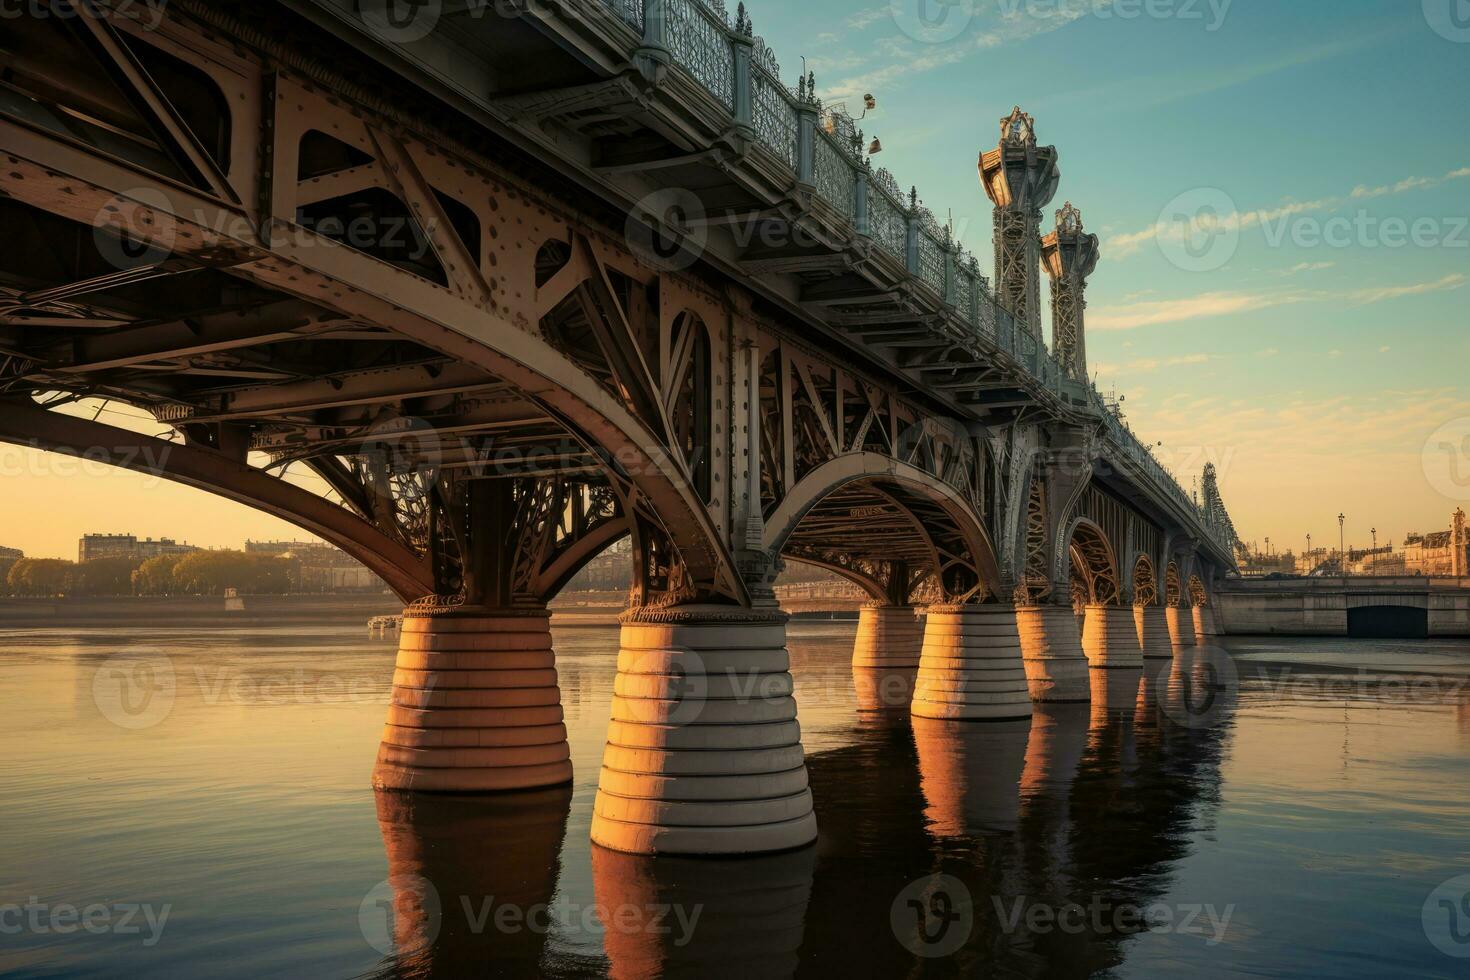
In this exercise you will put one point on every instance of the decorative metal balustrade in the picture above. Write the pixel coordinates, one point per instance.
(629, 12)
(888, 220)
(777, 125)
(834, 177)
(701, 41)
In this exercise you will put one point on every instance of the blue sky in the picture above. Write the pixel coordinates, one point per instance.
(1314, 361)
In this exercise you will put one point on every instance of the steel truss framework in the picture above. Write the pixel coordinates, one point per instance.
(491, 375)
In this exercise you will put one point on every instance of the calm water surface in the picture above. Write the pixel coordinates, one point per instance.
(1273, 808)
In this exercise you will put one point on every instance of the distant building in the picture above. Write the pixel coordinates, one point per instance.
(94, 546)
(318, 567)
(307, 552)
(1443, 553)
(7, 554)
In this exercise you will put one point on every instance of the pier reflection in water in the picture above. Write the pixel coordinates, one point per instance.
(1082, 806)
(1340, 806)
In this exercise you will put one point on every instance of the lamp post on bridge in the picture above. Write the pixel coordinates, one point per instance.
(1309, 554)
(1341, 549)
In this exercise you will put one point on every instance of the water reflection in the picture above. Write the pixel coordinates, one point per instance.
(471, 879)
(971, 774)
(687, 917)
(885, 691)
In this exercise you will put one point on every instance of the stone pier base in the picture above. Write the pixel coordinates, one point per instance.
(475, 705)
(888, 637)
(885, 658)
(1110, 638)
(1051, 646)
(704, 751)
(1181, 627)
(1204, 625)
(1153, 632)
(971, 668)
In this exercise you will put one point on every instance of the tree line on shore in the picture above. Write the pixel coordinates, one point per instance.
(195, 573)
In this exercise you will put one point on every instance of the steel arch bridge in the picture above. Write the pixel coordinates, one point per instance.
(524, 281)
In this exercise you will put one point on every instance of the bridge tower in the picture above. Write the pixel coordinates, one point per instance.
(1020, 178)
(1070, 255)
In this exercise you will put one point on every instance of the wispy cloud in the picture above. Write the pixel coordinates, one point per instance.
(1131, 243)
(1301, 267)
(1147, 365)
(1366, 296)
(906, 58)
(864, 19)
(1363, 192)
(1131, 316)
(1122, 246)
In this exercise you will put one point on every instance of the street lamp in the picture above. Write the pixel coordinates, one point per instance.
(1341, 550)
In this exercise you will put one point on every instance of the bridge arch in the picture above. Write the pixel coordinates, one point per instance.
(1173, 586)
(1145, 582)
(408, 575)
(909, 524)
(1093, 562)
(1199, 596)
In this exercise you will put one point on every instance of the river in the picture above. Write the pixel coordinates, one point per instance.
(1284, 808)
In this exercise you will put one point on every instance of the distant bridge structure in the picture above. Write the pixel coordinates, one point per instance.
(517, 283)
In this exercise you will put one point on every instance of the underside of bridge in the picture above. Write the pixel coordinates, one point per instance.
(520, 287)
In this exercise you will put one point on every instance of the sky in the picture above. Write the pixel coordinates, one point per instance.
(1282, 190)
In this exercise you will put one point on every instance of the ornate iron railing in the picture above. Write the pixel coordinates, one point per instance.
(833, 174)
(888, 221)
(774, 114)
(932, 260)
(629, 12)
(700, 40)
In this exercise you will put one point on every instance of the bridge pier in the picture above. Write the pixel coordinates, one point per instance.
(888, 637)
(1153, 633)
(1204, 625)
(1181, 627)
(475, 704)
(885, 657)
(971, 667)
(1110, 638)
(1051, 647)
(704, 750)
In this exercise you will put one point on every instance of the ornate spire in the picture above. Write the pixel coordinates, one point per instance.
(1020, 178)
(1070, 255)
(743, 26)
(1018, 129)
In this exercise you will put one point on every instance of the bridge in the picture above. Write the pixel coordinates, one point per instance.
(1404, 607)
(518, 282)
